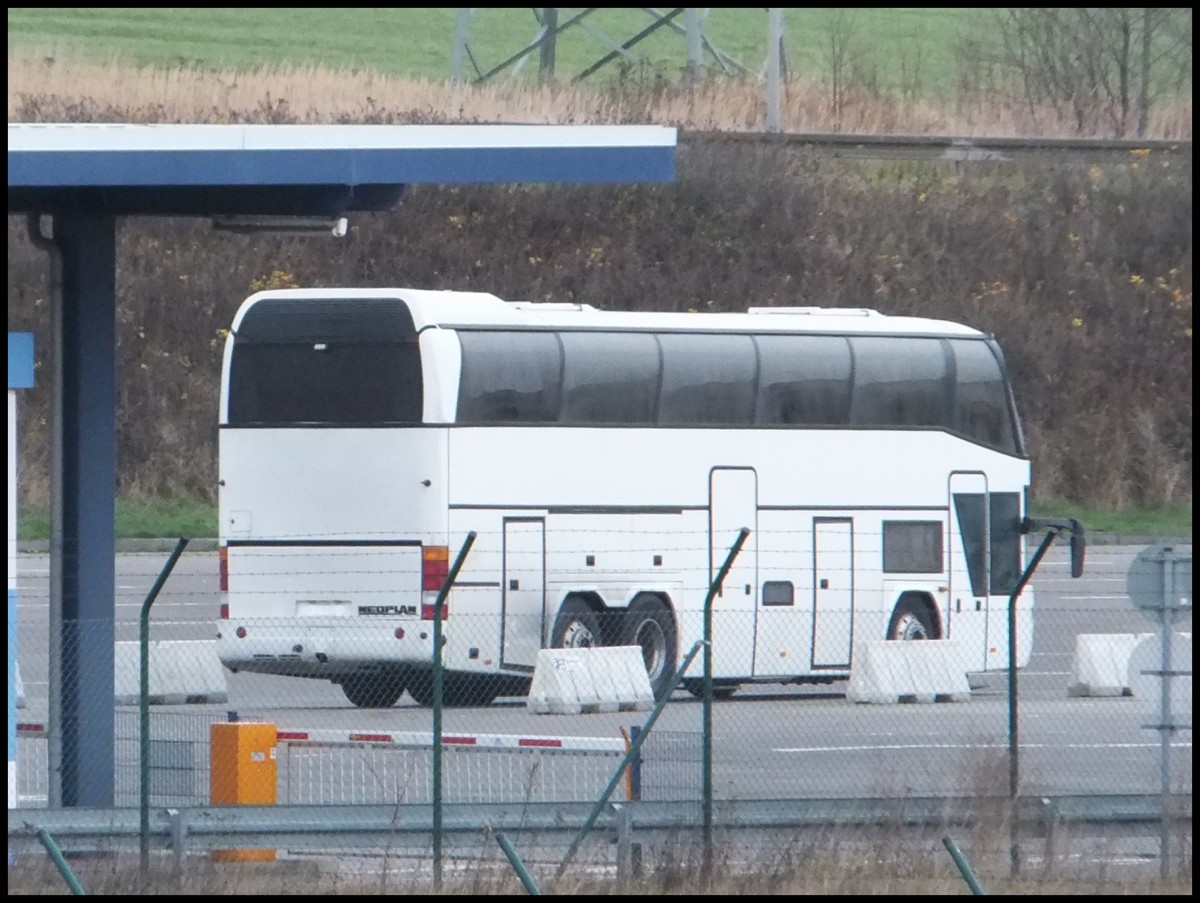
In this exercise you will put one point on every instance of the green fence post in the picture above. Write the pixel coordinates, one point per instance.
(706, 733)
(56, 854)
(518, 866)
(1014, 744)
(630, 755)
(437, 707)
(964, 867)
(144, 700)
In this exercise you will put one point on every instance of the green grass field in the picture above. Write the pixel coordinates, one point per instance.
(150, 518)
(139, 519)
(419, 42)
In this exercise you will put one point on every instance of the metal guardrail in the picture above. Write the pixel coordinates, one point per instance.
(960, 149)
(390, 826)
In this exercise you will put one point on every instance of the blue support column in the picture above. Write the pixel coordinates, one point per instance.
(20, 376)
(83, 578)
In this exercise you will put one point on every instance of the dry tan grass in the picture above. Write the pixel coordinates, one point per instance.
(116, 89)
(825, 869)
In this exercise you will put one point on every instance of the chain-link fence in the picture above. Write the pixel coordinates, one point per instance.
(809, 705)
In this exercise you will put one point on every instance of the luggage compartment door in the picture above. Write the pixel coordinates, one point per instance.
(523, 591)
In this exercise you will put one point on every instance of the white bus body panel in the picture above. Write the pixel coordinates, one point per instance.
(657, 501)
(323, 530)
(293, 484)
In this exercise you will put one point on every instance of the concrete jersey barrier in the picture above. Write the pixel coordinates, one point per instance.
(597, 679)
(181, 671)
(888, 672)
(1100, 664)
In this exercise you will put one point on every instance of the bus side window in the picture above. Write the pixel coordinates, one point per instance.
(509, 377)
(912, 547)
(1004, 509)
(981, 403)
(707, 379)
(778, 592)
(609, 377)
(971, 509)
(900, 383)
(803, 381)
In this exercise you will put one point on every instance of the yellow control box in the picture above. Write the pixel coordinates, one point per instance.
(243, 768)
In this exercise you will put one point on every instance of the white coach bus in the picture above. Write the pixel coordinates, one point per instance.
(606, 462)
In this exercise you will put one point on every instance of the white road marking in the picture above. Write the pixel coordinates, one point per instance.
(1178, 744)
(1038, 581)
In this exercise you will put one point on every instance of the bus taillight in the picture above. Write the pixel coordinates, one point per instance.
(435, 566)
(223, 558)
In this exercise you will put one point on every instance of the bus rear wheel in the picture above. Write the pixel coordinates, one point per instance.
(458, 690)
(719, 691)
(910, 621)
(374, 691)
(576, 627)
(650, 625)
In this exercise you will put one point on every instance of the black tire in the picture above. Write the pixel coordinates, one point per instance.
(910, 621)
(720, 691)
(576, 627)
(650, 625)
(458, 690)
(474, 689)
(374, 691)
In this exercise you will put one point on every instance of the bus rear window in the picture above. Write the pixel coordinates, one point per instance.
(336, 362)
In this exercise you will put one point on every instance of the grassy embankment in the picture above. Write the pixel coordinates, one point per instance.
(200, 74)
(139, 518)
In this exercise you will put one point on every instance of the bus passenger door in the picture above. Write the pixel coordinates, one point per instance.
(833, 591)
(523, 591)
(969, 544)
(733, 504)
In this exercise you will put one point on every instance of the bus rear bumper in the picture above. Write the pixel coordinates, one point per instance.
(305, 648)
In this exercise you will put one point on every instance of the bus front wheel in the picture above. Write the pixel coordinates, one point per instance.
(650, 625)
(911, 621)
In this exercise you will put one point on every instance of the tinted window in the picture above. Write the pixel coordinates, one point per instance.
(325, 361)
(724, 380)
(912, 547)
(971, 508)
(707, 379)
(900, 382)
(778, 592)
(609, 377)
(1005, 511)
(804, 380)
(509, 377)
(981, 409)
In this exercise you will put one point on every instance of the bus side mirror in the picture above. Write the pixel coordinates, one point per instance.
(1078, 548)
(1058, 527)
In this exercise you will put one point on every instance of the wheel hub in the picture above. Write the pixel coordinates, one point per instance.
(911, 628)
(578, 636)
(654, 647)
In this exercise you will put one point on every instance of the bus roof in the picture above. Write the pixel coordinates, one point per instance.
(470, 310)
